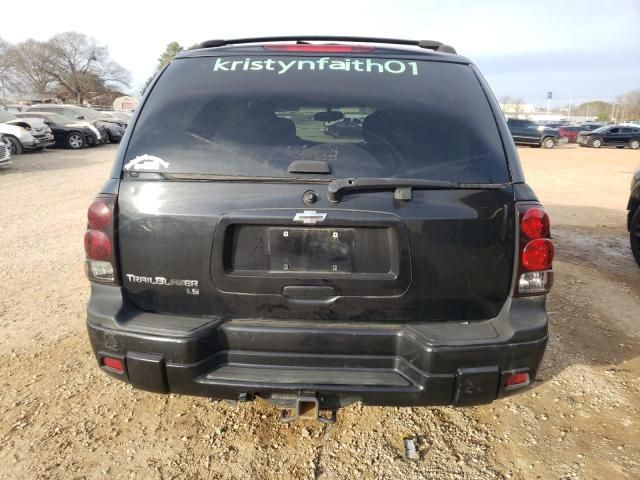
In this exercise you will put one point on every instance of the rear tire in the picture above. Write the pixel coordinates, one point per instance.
(564, 140)
(548, 142)
(634, 233)
(15, 147)
(596, 143)
(75, 141)
(634, 144)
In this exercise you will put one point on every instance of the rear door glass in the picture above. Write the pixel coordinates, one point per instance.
(364, 117)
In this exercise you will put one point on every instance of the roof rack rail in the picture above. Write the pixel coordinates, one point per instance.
(428, 44)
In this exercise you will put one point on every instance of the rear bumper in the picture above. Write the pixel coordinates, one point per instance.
(414, 364)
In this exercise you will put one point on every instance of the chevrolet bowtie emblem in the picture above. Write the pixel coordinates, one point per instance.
(309, 217)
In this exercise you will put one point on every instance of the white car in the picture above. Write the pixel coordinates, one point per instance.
(5, 152)
(23, 134)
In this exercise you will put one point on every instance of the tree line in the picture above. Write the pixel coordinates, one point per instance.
(70, 66)
(624, 108)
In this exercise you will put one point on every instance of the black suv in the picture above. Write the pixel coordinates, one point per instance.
(611, 136)
(238, 250)
(526, 132)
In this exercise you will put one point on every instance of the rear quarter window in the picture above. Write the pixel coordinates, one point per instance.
(364, 117)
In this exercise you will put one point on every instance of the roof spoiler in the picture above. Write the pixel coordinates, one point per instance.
(427, 44)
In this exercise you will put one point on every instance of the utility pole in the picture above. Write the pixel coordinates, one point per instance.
(624, 104)
(570, 103)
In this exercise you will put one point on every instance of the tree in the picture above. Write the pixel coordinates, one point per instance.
(4, 69)
(171, 51)
(517, 105)
(164, 59)
(146, 84)
(511, 105)
(598, 108)
(628, 105)
(504, 100)
(28, 67)
(81, 67)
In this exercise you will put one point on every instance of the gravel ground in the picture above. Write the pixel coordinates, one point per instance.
(63, 418)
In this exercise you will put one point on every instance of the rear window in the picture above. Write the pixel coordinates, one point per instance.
(364, 117)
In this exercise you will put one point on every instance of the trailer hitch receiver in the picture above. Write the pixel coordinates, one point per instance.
(305, 406)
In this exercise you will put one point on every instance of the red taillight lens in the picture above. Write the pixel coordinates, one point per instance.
(537, 255)
(535, 223)
(114, 364)
(97, 245)
(318, 48)
(99, 215)
(99, 239)
(535, 276)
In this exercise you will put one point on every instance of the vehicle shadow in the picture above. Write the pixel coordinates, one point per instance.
(594, 306)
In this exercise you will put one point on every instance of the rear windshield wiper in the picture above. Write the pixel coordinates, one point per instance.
(402, 186)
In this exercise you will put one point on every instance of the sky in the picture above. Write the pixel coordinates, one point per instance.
(580, 50)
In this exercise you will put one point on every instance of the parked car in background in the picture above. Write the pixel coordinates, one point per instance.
(347, 127)
(12, 108)
(569, 132)
(552, 124)
(35, 126)
(22, 136)
(633, 219)
(588, 127)
(5, 151)
(526, 132)
(99, 133)
(111, 129)
(611, 136)
(119, 115)
(67, 133)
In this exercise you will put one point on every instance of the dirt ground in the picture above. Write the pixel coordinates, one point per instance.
(62, 418)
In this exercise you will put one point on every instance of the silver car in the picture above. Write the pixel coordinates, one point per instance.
(5, 152)
(25, 134)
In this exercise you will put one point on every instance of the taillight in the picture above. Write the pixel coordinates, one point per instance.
(317, 48)
(535, 251)
(534, 223)
(537, 255)
(99, 214)
(99, 243)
